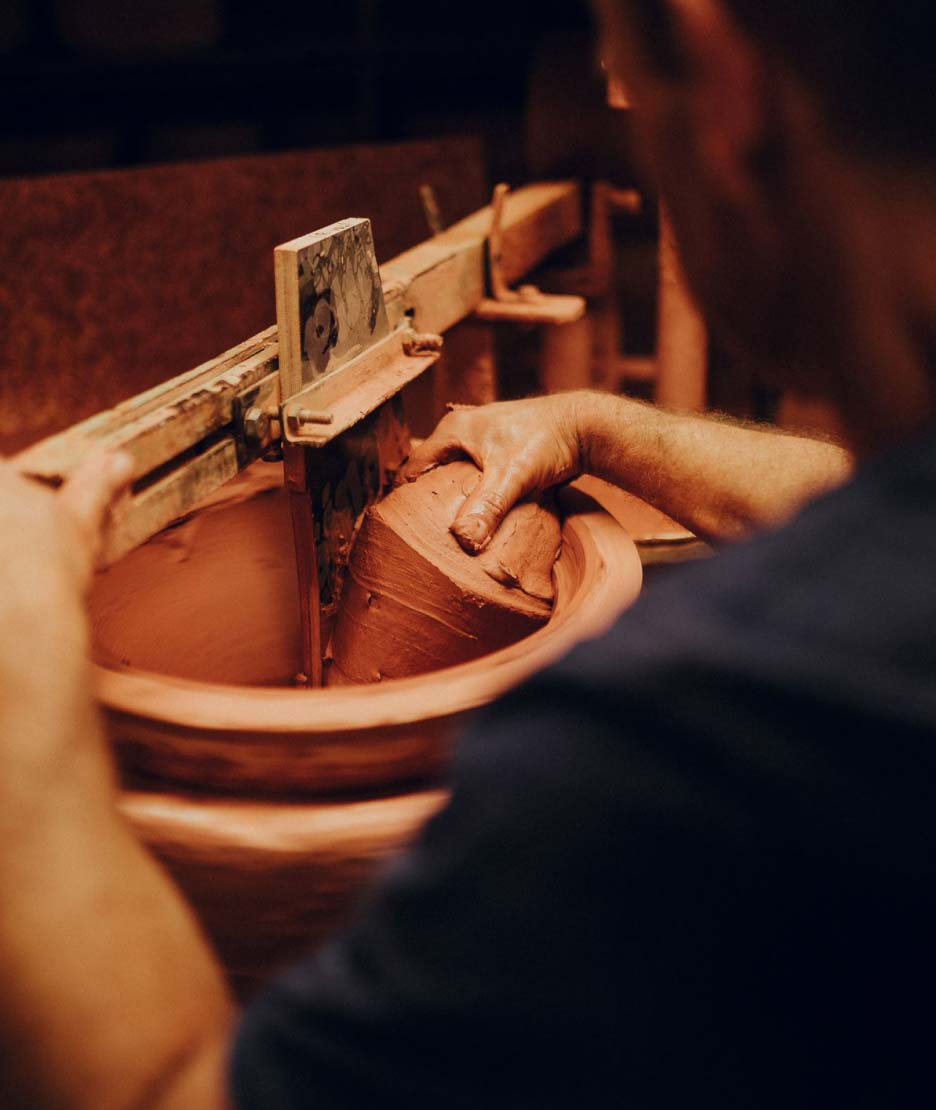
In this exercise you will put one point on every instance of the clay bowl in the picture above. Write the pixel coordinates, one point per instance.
(216, 596)
(270, 881)
(272, 806)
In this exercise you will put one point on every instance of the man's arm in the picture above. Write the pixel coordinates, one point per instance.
(720, 478)
(111, 997)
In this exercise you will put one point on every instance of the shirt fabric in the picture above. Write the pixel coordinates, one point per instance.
(691, 865)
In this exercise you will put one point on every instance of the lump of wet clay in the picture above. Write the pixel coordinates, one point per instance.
(414, 601)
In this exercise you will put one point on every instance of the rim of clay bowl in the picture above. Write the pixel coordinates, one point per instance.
(597, 557)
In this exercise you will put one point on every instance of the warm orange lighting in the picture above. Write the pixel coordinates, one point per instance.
(616, 90)
(617, 94)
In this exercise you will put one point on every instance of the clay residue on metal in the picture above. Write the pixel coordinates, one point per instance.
(414, 601)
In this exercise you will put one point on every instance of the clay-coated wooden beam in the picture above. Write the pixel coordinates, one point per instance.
(442, 280)
(169, 429)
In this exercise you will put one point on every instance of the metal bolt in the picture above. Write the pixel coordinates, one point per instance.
(422, 343)
(309, 416)
(257, 425)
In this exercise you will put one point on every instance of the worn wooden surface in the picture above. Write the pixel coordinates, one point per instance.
(442, 280)
(174, 414)
(159, 425)
(343, 398)
(337, 482)
(547, 309)
(135, 519)
(329, 301)
(113, 282)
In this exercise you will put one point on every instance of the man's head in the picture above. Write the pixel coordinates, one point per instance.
(786, 135)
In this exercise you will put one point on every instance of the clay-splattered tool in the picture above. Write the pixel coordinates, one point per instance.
(340, 361)
(262, 399)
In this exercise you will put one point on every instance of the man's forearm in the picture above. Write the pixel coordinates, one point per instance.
(720, 478)
(111, 997)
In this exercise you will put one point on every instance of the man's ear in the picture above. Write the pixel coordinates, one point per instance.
(726, 78)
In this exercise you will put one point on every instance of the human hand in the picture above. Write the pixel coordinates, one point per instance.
(49, 542)
(86, 500)
(61, 531)
(520, 446)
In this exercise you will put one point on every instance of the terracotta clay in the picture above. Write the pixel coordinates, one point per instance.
(642, 522)
(215, 597)
(273, 806)
(271, 881)
(414, 601)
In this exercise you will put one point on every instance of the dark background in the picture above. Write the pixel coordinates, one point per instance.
(126, 279)
(91, 84)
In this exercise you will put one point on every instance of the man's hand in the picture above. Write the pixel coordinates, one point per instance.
(86, 500)
(60, 532)
(720, 478)
(48, 547)
(111, 998)
(521, 447)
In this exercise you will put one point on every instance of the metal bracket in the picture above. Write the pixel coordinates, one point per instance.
(323, 410)
(526, 305)
(340, 358)
(256, 422)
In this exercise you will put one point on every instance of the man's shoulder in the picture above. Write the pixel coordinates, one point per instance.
(777, 666)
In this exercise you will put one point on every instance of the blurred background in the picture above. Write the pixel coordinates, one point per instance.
(90, 84)
(153, 153)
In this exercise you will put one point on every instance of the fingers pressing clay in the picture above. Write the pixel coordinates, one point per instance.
(493, 497)
(414, 601)
(446, 444)
(524, 548)
(434, 452)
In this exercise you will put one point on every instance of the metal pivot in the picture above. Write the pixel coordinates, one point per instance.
(527, 304)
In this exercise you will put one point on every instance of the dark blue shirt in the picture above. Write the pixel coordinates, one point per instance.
(691, 865)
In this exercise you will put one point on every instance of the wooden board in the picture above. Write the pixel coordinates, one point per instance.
(165, 421)
(173, 415)
(141, 517)
(556, 309)
(329, 301)
(340, 481)
(113, 282)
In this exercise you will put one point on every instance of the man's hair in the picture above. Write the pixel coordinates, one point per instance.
(870, 63)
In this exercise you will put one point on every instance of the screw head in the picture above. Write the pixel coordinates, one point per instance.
(257, 425)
